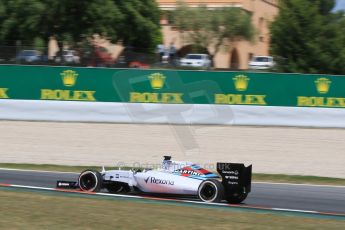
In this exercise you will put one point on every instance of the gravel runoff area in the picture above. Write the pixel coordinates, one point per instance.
(286, 150)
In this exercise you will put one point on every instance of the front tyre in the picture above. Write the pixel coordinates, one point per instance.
(211, 191)
(90, 181)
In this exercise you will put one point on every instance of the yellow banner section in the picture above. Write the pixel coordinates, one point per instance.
(240, 99)
(3, 93)
(171, 98)
(67, 95)
(321, 102)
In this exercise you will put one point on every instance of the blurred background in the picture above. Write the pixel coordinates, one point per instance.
(264, 35)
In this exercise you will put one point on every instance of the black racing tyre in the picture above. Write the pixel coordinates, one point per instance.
(211, 191)
(90, 181)
(236, 198)
(117, 187)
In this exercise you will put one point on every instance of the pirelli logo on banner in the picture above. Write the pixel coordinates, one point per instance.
(322, 86)
(69, 79)
(241, 83)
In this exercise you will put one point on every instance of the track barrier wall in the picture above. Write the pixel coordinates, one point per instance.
(169, 96)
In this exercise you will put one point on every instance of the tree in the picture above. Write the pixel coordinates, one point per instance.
(141, 24)
(212, 29)
(307, 37)
(75, 20)
(135, 22)
(20, 20)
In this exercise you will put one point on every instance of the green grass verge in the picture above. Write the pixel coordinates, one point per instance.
(257, 177)
(281, 178)
(37, 210)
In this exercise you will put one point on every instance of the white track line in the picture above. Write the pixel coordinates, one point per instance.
(294, 210)
(176, 200)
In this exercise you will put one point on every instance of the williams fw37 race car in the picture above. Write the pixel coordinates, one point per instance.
(232, 183)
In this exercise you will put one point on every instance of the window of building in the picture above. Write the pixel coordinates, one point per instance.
(250, 56)
(261, 24)
(261, 38)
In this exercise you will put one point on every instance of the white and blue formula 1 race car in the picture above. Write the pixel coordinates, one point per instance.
(232, 183)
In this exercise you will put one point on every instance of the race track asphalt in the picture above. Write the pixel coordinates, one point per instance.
(270, 195)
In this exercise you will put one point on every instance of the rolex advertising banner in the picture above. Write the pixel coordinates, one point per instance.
(170, 87)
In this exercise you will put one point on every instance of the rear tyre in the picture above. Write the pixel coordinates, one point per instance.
(90, 181)
(236, 198)
(211, 191)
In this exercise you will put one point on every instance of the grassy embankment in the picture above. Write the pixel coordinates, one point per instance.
(257, 177)
(21, 209)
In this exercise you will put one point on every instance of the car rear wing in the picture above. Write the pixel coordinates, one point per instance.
(235, 177)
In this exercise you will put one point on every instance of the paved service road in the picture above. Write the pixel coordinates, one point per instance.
(286, 196)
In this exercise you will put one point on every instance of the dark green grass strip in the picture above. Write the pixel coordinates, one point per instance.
(155, 201)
